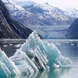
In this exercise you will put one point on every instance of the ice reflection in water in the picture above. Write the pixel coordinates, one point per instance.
(53, 73)
(57, 73)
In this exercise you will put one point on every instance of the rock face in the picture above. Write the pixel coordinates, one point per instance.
(5, 29)
(10, 28)
(73, 30)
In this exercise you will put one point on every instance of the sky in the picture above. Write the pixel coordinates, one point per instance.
(59, 3)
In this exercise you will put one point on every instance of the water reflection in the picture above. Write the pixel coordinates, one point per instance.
(57, 73)
(53, 73)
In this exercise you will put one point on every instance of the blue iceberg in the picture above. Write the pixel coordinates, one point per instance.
(34, 55)
(46, 52)
(25, 64)
(7, 67)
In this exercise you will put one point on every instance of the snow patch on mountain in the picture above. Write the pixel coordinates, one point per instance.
(72, 12)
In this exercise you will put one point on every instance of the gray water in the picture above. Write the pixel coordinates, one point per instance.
(68, 48)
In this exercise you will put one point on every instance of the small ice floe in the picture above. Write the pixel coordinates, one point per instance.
(67, 42)
(10, 44)
(5, 45)
(18, 45)
(58, 43)
(72, 44)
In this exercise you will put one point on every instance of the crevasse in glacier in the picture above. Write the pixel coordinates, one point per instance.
(7, 67)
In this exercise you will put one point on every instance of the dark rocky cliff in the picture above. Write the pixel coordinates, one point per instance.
(72, 32)
(10, 28)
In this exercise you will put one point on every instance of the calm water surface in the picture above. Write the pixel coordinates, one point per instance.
(68, 48)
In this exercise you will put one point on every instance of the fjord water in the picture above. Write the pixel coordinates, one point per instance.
(68, 48)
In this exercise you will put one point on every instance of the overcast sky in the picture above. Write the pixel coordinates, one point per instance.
(58, 3)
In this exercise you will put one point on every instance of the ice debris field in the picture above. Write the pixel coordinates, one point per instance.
(34, 55)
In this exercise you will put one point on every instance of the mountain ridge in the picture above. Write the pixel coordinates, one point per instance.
(9, 27)
(44, 11)
(42, 14)
(72, 32)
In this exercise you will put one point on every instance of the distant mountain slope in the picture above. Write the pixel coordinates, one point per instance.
(20, 14)
(5, 29)
(72, 12)
(10, 28)
(32, 13)
(73, 30)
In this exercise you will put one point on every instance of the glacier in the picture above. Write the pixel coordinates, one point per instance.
(33, 56)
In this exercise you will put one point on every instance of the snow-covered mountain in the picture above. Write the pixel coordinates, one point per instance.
(20, 14)
(72, 12)
(46, 13)
(33, 13)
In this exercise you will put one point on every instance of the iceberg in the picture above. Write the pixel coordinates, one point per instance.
(46, 53)
(25, 64)
(33, 56)
(7, 67)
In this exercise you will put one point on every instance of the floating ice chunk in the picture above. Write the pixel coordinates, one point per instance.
(7, 67)
(68, 42)
(49, 52)
(34, 55)
(5, 45)
(41, 58)
(4, 70)
(72, 44)
(37, 57)
(34, 43)
(54, 56)
(10, 44)
(58, 44)
(24, 63)
(18, 45)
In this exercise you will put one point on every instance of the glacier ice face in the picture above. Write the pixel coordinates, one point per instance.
(49, 53)
(7, 67)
